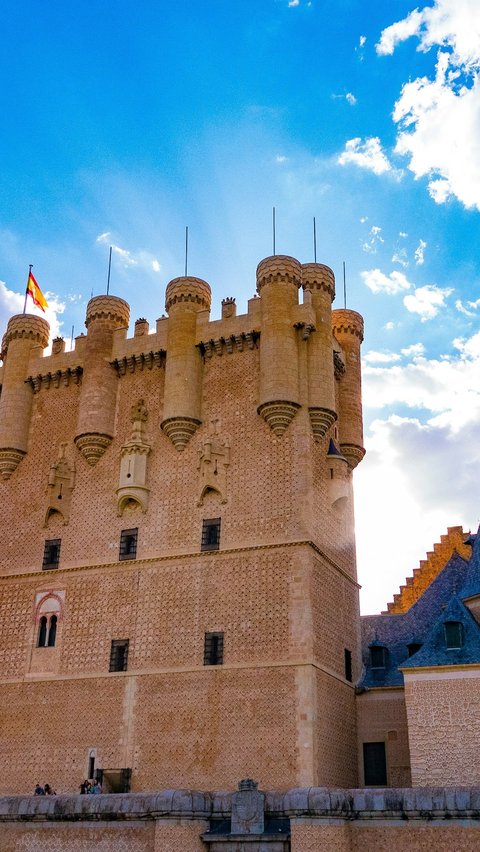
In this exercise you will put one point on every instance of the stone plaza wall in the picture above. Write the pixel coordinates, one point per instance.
(320, 820)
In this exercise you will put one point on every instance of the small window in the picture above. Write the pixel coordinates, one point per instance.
(51, 553)
(453, 635)
(213, 649)
(413, 648)
(374, 764)
(52, 631)
(128, 544)
(348, 665)
(211, 534)
(378, 656)
(42, 632)
(119, 655)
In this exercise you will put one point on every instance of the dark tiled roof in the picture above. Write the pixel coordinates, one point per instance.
(434, 651)
(396, 632)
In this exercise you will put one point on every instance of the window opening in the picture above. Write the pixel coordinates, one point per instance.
(413, 647)
(118, 655)
(453, 635)
(374, 764)
(51, 553)
(211, 534)
(91, 766)
(348, 665)
(52, 631)
(378, 656)
(42, 632)
(128, 544)
(213, 649)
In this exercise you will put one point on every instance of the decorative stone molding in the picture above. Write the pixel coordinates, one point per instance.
(213, 462)
(9, 461)
(188, 289)
(61, 482)
(180, 430)
(60, 377)
(321, 419)
(353, 454)
(279, 268)
(27, 327)
(139, 361)
(112, 308)
(92, 445)
(278, 414)
(133, 466)
(233, 343)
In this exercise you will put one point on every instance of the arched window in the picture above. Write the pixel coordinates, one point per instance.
(52, 631)
(42, 632)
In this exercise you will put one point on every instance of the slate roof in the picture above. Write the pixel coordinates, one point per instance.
(423, 624)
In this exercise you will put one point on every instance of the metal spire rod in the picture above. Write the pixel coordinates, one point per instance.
(344, 286)
(273, 226)
(186, 251)
(109, 268)
(314, 240)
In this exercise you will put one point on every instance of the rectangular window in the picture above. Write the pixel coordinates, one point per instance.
(213, 649)
(378, 656)
(374, 765)
(211, 534)
(128, 544)
(51, 553)
(118, 655)
(453, 635)
(348, 665)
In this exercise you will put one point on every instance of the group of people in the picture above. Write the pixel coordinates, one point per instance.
(46, 790)
(93, 787)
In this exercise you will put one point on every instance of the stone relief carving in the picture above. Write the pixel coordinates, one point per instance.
(213, 462)
(61, 482)
(132, 487)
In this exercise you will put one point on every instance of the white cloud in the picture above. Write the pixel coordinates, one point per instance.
(362, 40)
(373, 357)
(468, 311)
(426, 301)
(294, 3)
(402, 234)
(351, 99)
(378, 282)
(367, 154)
(281, 158)
(389, 325)
(439, 119)
(420, 253)
(415, 350)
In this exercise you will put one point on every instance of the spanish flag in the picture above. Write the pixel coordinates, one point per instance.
(34, 291)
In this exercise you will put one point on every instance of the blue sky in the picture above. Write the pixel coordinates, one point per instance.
(124, 122)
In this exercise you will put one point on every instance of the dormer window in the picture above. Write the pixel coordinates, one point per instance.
(453, 635)
(378, 656)
(413, 647)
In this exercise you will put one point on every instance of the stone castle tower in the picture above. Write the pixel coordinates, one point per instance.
(178, 582)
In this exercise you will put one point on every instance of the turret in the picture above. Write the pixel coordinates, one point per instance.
(348, 330)
(96, 418)
(24, 333)
(278, 280)
(185, 298)
(319, 280)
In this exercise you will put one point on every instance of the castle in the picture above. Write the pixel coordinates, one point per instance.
(178, 579)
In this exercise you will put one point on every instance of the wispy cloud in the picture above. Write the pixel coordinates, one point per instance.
(373, 240)
(420, 253)
(139, 258)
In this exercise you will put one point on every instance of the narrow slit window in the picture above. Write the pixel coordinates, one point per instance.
(118, 655)
(51, 553)
(213, 649)
(42, 632)
(52, 631)
(128, 544)
(211, 534)
(348, 665)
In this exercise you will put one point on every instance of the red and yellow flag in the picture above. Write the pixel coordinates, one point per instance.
(34, 291)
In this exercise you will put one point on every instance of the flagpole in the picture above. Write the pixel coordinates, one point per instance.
(109, 268)
(186, 251)
(314, 240)
(30, 266)
(273, 229)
